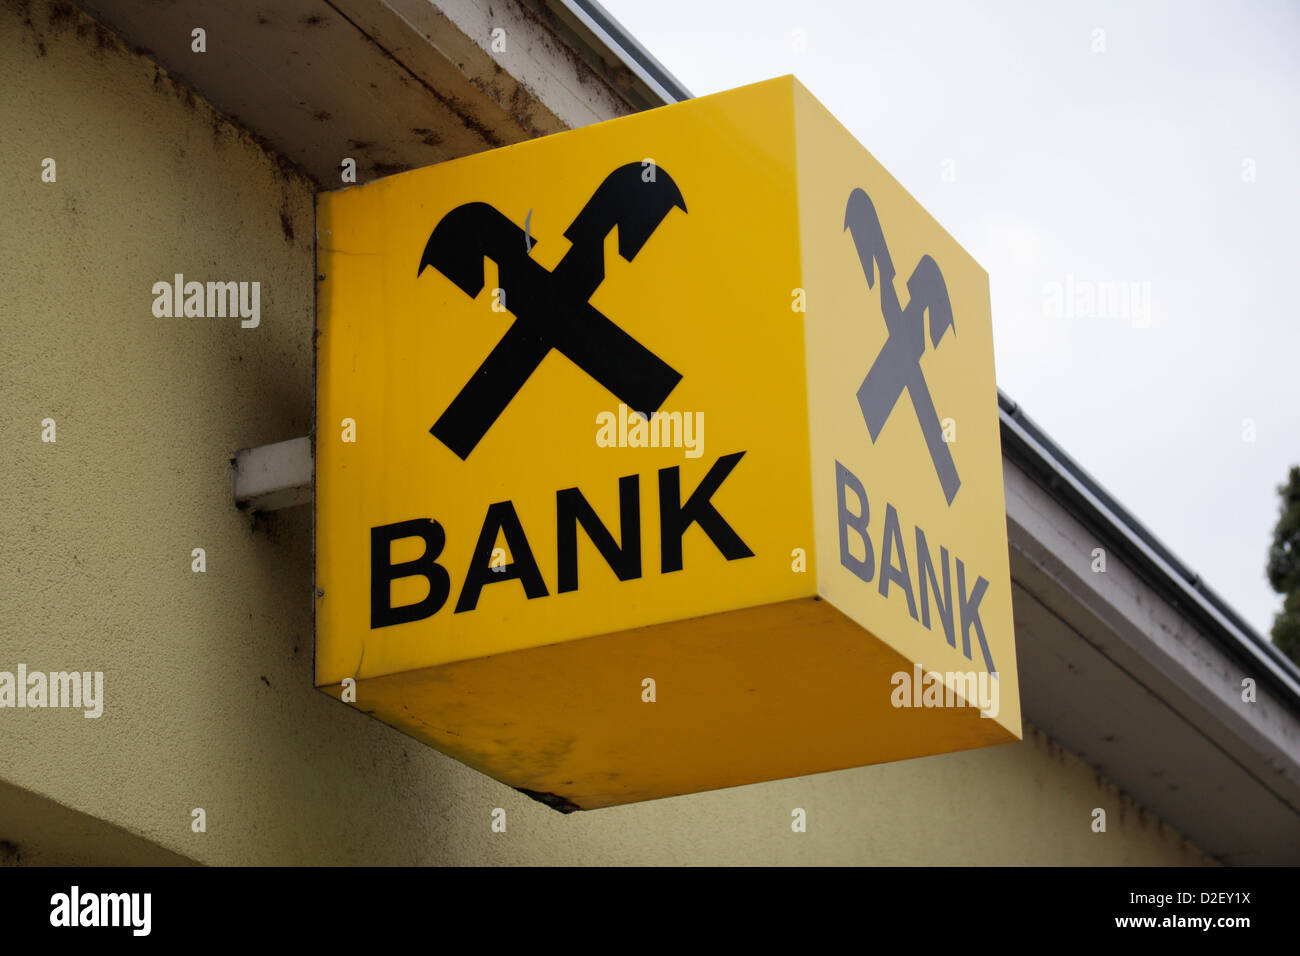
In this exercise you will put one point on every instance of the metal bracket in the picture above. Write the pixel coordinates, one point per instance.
(271, 477)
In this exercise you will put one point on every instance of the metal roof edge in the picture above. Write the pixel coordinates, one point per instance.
(624, 48)
(1029, 447)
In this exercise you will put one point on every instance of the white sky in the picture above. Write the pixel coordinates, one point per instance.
(1120, 166)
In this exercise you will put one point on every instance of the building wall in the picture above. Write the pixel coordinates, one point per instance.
(208, 679)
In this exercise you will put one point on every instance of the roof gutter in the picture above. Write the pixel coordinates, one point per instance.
(1029, 447)
(603, 43)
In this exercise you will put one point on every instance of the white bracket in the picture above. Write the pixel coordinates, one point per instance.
(271, 477)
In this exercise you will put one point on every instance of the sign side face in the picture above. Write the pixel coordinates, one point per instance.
(907, 461)
(489, 329)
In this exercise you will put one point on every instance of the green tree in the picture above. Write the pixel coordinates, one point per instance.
(1284, 567)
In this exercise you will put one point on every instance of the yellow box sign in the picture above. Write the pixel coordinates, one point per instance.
(660, 456)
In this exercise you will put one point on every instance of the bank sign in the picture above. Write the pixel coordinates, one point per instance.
(660, 456)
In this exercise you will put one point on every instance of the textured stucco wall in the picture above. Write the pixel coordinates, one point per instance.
(209, 698)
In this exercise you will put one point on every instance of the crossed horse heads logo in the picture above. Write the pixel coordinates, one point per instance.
(897, 368)
(551, 308)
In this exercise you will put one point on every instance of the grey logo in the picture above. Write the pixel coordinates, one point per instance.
(898, 366)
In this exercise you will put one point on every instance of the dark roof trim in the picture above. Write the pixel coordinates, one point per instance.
(631, 49)
(610, 50)
(1029, 447)
(597, 19)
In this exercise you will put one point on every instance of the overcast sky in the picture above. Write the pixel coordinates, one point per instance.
(1153, 145)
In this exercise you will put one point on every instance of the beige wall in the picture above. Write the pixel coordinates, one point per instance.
(209, 698)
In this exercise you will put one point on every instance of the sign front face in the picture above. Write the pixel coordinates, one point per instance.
(907, 462)
(488, 329)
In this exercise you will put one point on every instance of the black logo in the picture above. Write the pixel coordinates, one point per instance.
(551, 309)
(898, 366)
